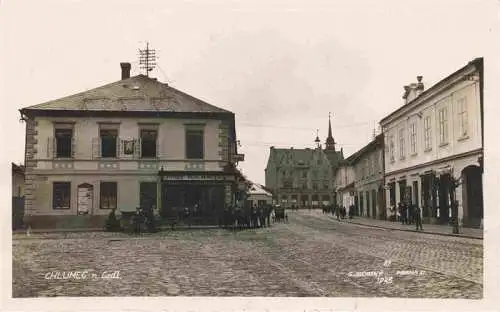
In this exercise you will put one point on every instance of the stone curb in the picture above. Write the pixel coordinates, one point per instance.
(38, 231)
(414, 231)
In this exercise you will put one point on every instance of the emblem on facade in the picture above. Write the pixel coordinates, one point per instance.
(128, 147)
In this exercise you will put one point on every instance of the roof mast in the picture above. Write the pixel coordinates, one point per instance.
(147, 59)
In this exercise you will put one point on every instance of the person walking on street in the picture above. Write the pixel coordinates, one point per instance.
(418, 218)
(401, 213)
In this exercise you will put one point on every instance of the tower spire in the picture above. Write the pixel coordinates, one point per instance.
(317, 138)
(330, 142)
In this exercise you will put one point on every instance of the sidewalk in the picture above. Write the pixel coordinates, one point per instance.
(428, 228)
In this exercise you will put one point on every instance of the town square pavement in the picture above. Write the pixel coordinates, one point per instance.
(312, 255)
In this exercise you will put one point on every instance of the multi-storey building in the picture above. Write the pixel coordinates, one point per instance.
(303, 177)
(130, 143)
(438, 134)
(368, 165)
(344, 184)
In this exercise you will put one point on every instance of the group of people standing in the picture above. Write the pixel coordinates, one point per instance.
(408, 214)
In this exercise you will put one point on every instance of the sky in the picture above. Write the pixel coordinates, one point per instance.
(280, 66)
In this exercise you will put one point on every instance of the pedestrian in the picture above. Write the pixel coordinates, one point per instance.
(401, 213)
(418, 218)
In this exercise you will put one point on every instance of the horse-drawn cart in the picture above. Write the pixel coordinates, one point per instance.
(280, 214)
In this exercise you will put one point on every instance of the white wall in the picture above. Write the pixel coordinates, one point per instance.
(171, 135)
(456, 144)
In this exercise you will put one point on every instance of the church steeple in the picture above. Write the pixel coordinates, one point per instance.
(330, 142)
(317, 141)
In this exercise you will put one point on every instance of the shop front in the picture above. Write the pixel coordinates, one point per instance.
(196, 197)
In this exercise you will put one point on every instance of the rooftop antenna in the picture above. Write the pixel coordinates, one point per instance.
(147, 59)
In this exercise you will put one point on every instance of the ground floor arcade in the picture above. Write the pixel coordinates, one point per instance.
(434, 187)
(306, 198)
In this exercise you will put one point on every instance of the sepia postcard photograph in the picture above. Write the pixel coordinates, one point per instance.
(249, 155)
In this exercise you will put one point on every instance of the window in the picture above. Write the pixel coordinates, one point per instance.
(391, 148)
(427, 133)
(194, 144)
(413, 138)
(443, 125)
(61, 195)
(304, 174)
(325, 185)
(64, 139)
(108, 142)
(148, 143)
(109, 192)
(315, 186)
(401, 143)
(147, 194)
(462, 117)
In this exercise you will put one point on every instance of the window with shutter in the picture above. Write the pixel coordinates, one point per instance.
(109, 140)
(64, 142)
(96, 148)
(137, 148)
(50, 147)
(149, 146)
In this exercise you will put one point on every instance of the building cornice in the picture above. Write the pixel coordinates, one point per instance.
(478, 151)
(441, 86)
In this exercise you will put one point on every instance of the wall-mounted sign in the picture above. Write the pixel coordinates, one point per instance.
(196, 178)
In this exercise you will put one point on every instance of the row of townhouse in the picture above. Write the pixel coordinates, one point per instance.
(432, 141)
(130, 143)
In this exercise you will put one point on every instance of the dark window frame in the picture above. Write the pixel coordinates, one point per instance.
(191, 135)
(63, 142)
(145, 196)
(106, 136)
(61, 187)
(148, 145)
(106, 190)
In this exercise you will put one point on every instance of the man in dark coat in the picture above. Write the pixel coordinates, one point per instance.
(418, 218)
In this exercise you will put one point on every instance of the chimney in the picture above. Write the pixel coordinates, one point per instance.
(125, 70)
(420, 85)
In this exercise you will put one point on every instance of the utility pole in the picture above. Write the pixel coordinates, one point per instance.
(147, 59)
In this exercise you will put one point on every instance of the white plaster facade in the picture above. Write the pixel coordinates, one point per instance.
(127, 170)
(344, 185)
(439, 130)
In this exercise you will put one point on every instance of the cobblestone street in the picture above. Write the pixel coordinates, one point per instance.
(312, 255)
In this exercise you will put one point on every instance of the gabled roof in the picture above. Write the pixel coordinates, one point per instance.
(136, 94)
(258, 189)
(377, 142)
(303, 156)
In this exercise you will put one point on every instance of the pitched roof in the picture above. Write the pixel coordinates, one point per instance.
(377, 142)
(477, 63)
(303, 156)
(258, 189)
(136, 94)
